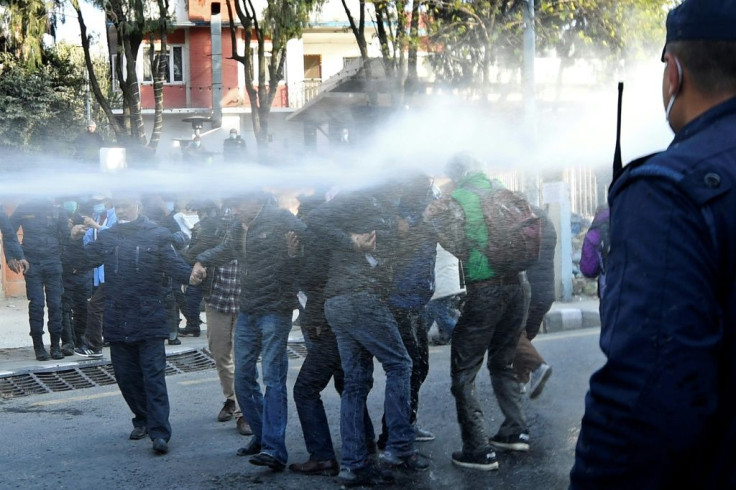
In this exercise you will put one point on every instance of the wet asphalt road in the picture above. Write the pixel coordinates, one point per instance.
(79, 439)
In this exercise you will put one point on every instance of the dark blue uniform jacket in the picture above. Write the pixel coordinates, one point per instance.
(44, 229)
(136, 256)
(661, 413)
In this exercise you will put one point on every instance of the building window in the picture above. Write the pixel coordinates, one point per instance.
(174, 69)
(312, 67)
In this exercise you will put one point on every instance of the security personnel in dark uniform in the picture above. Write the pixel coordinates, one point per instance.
(661, 413)
(136, 253)
(44, 229)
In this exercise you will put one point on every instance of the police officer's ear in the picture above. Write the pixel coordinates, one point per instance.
(673, 76)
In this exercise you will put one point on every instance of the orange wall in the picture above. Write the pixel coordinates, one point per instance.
(200, 76)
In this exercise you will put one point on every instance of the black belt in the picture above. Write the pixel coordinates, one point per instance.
(495, 281)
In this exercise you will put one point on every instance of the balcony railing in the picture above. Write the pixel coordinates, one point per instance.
(302, 92)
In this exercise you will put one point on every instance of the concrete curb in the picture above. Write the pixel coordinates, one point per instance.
(563, 319)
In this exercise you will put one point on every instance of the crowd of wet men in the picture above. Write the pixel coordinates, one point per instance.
(361, 269)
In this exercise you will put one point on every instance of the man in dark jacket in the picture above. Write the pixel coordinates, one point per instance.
(362, 232)
(413, 286)
(264, 242)
(136, 254)
(661, 412)
(45, 227)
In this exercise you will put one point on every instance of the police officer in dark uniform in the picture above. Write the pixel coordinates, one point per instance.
(45, 227)
(661, 413)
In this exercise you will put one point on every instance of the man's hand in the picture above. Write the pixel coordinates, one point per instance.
(90, 223)
(364, 242)
(199, 273)
(78, 231)
(292, 244)
(19, 266)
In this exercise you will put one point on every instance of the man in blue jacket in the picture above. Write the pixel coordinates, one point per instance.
(661, 413)
(136, 254)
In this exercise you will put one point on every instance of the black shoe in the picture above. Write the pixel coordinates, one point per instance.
(265, 459)
(483, 460)
(174, 342)
(515, 442)
(67, 349)
(138, 433)
(193, 331)
(160, 446)
(85, 351)
(364, 477)
(252, 448)
(56, 352)
(41, 354)
(410, 463)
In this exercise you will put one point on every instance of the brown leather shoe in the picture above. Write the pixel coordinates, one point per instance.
(326, 468)
(243, 427)
(227, 411)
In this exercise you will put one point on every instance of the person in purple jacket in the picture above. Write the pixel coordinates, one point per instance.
(595, 249)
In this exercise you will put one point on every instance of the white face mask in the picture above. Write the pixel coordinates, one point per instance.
(233, 136)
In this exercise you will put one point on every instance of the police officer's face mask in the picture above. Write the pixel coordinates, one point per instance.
(98, 208)
(70, 206)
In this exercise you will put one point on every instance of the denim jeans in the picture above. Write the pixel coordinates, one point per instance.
(140, 370)
(413, 330)
(43, 281)
(321, 365)
(266, 335)
(491, 322)
(442, 311)
(365, 328)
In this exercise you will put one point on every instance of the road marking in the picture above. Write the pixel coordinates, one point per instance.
(75, 399)
(566, 335)
(197, 381)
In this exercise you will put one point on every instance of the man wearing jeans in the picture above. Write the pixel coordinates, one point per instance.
(362, 231)
(264, 241)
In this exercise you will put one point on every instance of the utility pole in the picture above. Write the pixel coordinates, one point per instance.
(530, 104)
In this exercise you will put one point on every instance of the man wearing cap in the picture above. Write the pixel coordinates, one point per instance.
(661, 413)
(233, 148)
(87, 145)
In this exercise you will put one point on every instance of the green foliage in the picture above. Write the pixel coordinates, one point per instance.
(22, 26)
(470, 36)
(42, 108)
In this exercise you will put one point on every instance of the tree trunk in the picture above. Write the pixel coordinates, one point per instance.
(93, 83)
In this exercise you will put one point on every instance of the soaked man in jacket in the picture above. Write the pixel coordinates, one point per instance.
(265, 243)
(136, 254)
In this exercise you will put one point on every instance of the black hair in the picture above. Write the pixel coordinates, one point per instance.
(711, 64)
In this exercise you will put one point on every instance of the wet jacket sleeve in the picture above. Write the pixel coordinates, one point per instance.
(331, 220)
(223, 252)
(173, 264)
(11, 246)
(661, 333)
